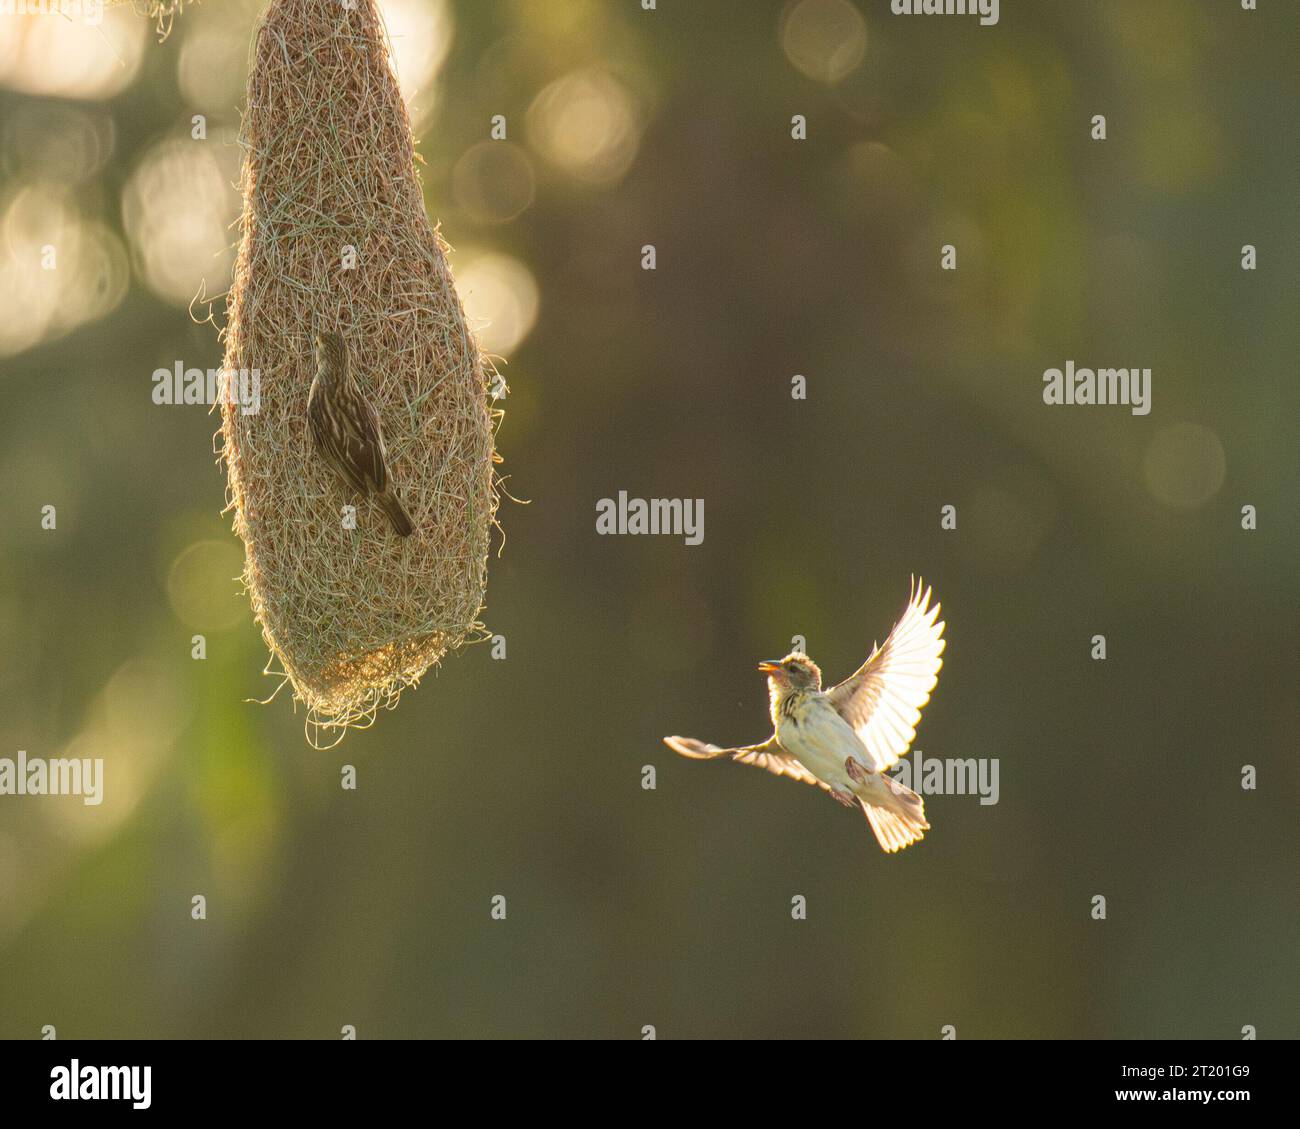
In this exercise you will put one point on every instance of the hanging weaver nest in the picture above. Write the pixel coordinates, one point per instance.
(353, 615)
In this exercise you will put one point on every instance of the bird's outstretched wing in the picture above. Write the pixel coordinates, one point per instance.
(883, 699)
(770, 755)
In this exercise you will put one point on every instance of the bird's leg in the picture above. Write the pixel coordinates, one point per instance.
(855, 770)
(845, 798)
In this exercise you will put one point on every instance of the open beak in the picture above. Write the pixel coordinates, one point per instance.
(768, 666)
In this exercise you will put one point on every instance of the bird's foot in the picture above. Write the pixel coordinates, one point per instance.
(855, 770)
(845, 798)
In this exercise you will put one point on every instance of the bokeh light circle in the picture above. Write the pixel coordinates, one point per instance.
(500, 298)
(203, 586)
(825, 39)
(1184, 465)
(493, 181)
(178, 208)
(586, 124)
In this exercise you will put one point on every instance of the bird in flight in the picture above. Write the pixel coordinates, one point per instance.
(345, 430)
(846, 738)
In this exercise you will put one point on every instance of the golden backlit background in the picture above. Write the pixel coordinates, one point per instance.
(776, 257)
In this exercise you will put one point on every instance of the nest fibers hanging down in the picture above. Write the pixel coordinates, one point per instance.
(334, 237)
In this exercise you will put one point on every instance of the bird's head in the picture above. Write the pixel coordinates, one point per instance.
(330, 351)
(794, 672)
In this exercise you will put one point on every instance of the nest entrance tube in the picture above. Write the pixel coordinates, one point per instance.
(334, 236)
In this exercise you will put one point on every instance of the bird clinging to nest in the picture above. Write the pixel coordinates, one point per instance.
(345, 430)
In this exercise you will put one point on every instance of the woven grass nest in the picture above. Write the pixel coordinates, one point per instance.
(353, 615)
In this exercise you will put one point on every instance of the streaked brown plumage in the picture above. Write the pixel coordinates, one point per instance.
(345, 430)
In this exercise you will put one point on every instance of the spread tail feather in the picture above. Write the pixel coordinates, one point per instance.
(893, 832)
(902, 823)
(396, 514)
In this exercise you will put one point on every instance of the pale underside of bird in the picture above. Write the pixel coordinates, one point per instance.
(845, 739)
